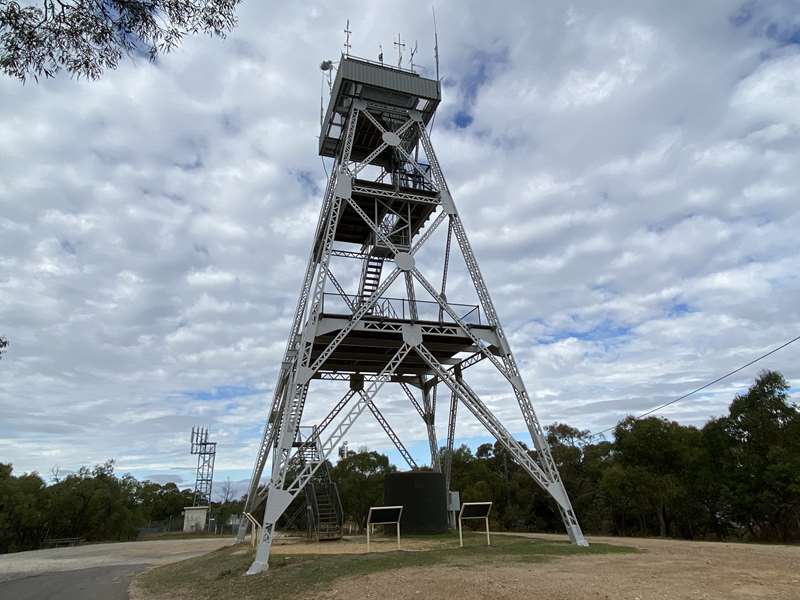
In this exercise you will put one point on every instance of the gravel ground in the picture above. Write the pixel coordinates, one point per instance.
(666, 570)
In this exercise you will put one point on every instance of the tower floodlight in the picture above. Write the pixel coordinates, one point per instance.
(385, 201)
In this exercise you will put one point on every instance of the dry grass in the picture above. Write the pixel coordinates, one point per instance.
(308, 570)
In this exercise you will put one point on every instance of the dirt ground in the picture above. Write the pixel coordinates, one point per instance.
(665, 570)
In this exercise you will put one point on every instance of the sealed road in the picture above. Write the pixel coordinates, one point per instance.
(108, 583)
(101, 571)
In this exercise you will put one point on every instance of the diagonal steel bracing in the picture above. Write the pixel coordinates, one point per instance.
(451, 433)
(391, 434)
(485, 416)
(413, 400)
(318, 431)
(280, 496)
(428, 414)
(511, 371)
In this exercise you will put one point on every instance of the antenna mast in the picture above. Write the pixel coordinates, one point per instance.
(206, 452)
(400, 47)
(347, 33)
(413, 52)
(435, 43)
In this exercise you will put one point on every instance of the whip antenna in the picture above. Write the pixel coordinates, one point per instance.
(435, 43)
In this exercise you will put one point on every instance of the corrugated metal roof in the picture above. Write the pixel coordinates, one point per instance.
(389, 78)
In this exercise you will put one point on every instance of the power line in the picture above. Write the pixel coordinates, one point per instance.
(709, 384)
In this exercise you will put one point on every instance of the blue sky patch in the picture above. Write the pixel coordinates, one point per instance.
(483, 67)
(679, 309)
(307, 182)
(224, 392)
(462, 119)
(605, 330)
(775, 22)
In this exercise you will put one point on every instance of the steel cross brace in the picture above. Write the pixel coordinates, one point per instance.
(414, 402)
(485, 416)
(341, 291)
(412, 301)
(278, 499)
(551, 485)
(392, 435)
(314, 438)
(417, 167)
(428, 417)
(428, 232)
(381, 147)
(429, 399)
(451, 434)
(453, 315)
(363, 308)
(443, 291)
(472, 359)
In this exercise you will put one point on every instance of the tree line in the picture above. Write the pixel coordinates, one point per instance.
(735, 478)
(93, 505)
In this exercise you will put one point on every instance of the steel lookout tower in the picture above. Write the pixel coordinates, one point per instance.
(383, 326)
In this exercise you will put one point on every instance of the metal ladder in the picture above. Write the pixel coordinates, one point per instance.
(370, 277)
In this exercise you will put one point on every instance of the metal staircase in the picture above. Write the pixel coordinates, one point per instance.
(370, 277)
(323, 506)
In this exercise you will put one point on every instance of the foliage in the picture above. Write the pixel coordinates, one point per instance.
(738, 477)
(86, 37)
(359, 478)
(23, 510)
(92, 504)
(3, 345)
(160, 502)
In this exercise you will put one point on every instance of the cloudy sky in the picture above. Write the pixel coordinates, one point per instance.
(630, 179)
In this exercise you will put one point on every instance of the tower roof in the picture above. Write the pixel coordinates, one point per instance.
(391, 87)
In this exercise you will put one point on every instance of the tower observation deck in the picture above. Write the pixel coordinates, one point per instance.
(382, 323)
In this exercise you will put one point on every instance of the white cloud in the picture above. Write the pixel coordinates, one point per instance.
(628, 180)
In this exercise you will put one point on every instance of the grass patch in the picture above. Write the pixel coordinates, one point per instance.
(219, 574)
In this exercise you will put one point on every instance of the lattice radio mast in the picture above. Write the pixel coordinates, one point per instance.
(206, 452)
(391, 327)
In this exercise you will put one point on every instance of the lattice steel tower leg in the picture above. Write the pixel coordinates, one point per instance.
(385, 199)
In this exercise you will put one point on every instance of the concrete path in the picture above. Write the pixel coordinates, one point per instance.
(92, 571)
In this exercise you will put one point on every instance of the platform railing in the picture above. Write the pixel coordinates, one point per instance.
(400, 308)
